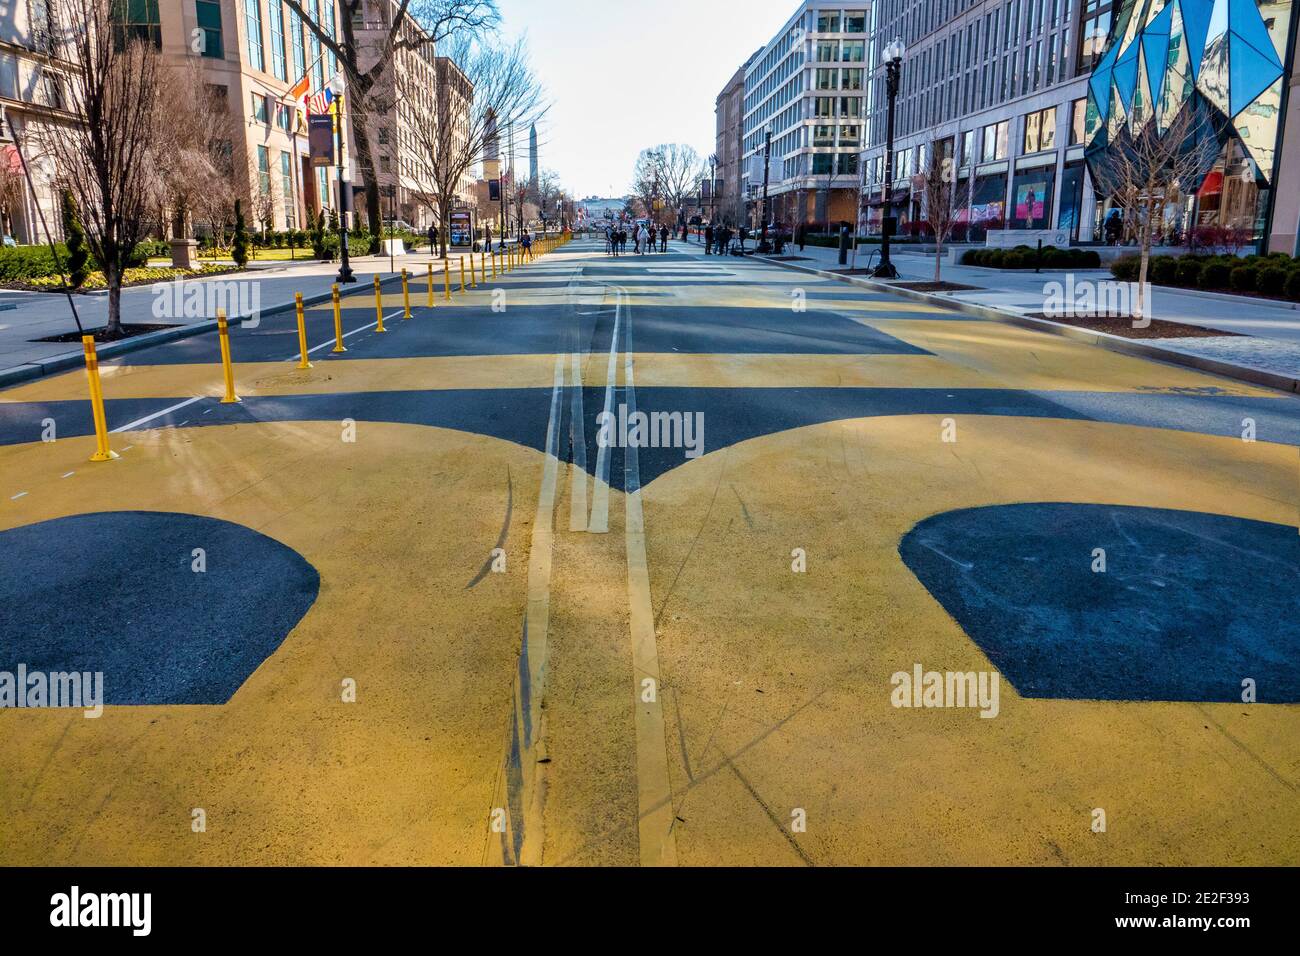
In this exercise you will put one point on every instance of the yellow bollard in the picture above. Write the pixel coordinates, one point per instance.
(102, 451)
(482, 265)
(227, 369)
(431, 285)
(406, 296)
(302, 332)
(494, 264)
(446, 279)
(379, 308)
(338, 321)
(462, 273)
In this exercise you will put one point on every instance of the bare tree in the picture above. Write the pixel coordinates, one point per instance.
(667, 172)
(11, 189)
(110, 160)
(414, 24)
(483, 90)
(1147, 170)
(938, 188)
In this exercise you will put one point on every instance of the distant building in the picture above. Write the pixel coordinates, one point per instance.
(807, 87)
(403, 100)
(729, 115)
(32, 95)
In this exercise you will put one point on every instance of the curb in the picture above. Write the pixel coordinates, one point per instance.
(1113, 343)
(67, 360)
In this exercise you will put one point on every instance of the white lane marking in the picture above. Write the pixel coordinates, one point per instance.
(578, 469)
(599, 523)
(148, 418)
(655, 814)
(347, 335)
(21, 494)
(68, 475)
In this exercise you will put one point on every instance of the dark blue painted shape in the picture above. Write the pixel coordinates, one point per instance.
(115, 592)
(1190, 604)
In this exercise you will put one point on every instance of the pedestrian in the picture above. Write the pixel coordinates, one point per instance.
(801, 235)
(1114, 227)
(527, 240)
(642, 240)
(663, 238)
(708, 239)
(433, 240)
(744, 234)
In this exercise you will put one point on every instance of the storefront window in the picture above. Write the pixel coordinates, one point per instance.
(1031, 198)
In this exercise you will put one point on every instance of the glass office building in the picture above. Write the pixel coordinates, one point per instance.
(1224, 64)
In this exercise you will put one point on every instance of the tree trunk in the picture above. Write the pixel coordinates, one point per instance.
(366, 160)
(938, 260)
(113, 277)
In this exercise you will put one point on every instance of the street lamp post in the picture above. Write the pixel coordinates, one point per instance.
(345, 199)
(763, 247)
(893, 68)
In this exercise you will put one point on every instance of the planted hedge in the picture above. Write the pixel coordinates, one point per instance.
(24, 263)
(1027, 257)
(1276, 275)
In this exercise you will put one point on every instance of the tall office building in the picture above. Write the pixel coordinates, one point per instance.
(1022, 95)
(807, 89)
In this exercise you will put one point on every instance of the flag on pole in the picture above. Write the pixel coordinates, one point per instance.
(300, 89)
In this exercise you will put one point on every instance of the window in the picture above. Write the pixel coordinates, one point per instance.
(208, 13)
(277, 39)
(264, 170)
(1092, 35)
(852, 79)
(826, 79)
(253, 27)
(330, 32)
(318, 63)
(260, 112)
(283, 117)
(848, 165)
(828, 22)
(286, 188)
(995, 142)
(295, 41)
(136, 20)
(855, 21)
(850, 135)
(1040, 131)
(825, 107)
(822, 164)
(850, 106)
(968, 148)
(1078, 121)
(824, 136)
(854, 51)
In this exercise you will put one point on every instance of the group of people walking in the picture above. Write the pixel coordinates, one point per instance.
(643, 239)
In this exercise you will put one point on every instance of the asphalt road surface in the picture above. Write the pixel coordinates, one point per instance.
(427, 603)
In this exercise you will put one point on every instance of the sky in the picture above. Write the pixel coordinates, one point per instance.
(626, 74)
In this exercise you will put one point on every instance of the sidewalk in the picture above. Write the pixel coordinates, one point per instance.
(36, 315)
(1267, 334)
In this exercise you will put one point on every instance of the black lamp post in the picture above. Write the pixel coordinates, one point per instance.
(893, 68)
(345, 198)
(763, 247)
